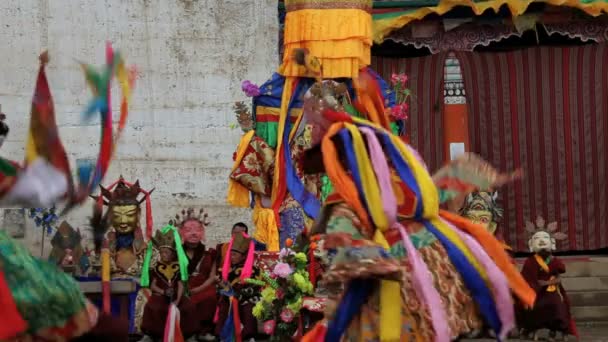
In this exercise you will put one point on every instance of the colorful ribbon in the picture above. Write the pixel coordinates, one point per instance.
(100, 84)
(421, 276)
(498, 281)
(412, 173)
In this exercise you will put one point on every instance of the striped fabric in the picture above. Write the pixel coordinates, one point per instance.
(545, 110)
(425, 125)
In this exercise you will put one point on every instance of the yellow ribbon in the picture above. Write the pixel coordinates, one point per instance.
(368, 179)
(390, 291)
(430, 197)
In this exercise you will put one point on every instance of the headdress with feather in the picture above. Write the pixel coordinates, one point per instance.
(551, 229)
(189, 214)
(122, 192)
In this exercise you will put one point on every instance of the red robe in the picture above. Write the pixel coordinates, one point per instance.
(157, 307)
(199, 270)
(552, 308)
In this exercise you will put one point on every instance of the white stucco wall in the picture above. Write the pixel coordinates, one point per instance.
(192, 56)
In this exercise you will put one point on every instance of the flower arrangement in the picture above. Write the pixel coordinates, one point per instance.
(45, 218)
(283, 294)
(402, 94)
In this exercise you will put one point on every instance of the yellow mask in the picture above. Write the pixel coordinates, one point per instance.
(124, 218)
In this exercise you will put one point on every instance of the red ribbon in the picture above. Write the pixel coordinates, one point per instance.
(237, 319)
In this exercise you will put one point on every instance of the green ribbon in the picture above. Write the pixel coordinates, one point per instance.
(6, 168)
(182, 259)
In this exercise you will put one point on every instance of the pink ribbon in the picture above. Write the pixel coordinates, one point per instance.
(422, 280)
(247, 267)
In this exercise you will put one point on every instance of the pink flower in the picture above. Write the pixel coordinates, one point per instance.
(400, 111)
(398, 79)
(285, 252)
(287, 315)
(250, 89)
(282, 270)
(394, 78)
(280, 294)
(269, 327)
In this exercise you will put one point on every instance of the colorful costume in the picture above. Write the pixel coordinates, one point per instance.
(167, 280)
(542, 270)
(47, 299)
(268, 163)
(237, 297)
(125, 240)
(385, 224)
(201, 267)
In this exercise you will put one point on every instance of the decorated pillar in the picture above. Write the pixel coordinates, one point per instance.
(455, 114)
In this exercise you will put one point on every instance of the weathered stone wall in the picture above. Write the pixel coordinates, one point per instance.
(191, 56)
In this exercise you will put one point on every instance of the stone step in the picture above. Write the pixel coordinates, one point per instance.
(588, 298)
(581, 267)
(587, 269)
(590, 313)
(580, 284)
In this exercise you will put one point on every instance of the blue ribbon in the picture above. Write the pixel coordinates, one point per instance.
(308, 201)
(357, 294)
(403, 170)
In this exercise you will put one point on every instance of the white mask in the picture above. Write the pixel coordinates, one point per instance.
(541, 240)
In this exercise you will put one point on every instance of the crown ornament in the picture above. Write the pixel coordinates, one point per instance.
(190, 214)
(541, 226)
(164, 240)
(123, 193)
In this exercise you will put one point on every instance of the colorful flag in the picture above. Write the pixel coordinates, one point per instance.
(46, 177)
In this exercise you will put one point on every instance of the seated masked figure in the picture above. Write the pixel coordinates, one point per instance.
(125, 239)
(235, 293)
(380, 214)
(67, 250)
(201, 267)
(168, 281)
(542, 271)
(126, 242)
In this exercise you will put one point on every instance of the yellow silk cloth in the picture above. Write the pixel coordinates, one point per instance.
(340, 38)
(238, 195)
(266, 230)
(545, 267)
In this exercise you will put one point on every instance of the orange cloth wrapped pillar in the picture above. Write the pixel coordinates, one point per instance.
(338, 33)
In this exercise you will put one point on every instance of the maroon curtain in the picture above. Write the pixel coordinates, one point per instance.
(545, 110)
(425, 125)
